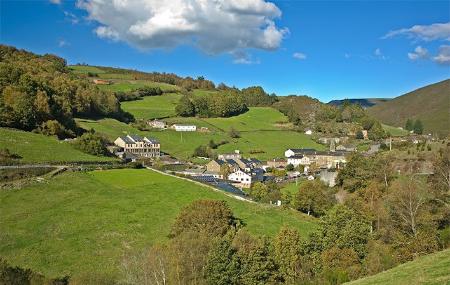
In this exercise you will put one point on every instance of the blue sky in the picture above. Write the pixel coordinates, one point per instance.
(328, 50)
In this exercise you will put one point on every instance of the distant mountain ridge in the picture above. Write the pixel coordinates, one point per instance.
(430, 104)
(363, 102)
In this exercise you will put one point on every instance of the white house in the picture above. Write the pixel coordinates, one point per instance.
(298, 160)
(185, 128)
(241, 177)
(308, 132)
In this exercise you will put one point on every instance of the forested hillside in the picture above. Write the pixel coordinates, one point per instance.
(430, 104)
(40, 93)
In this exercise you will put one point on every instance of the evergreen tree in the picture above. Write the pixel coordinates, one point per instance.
(409, 125)
(418, 127)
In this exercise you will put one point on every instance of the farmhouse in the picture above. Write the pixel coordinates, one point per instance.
(139, 146)
(184, 128)
(157, 124)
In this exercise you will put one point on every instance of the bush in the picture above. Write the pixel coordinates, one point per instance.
(92, 143)
(235, 134)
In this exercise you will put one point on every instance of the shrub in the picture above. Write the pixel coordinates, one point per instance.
(92, 143)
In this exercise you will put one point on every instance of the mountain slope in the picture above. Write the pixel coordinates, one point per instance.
(430, 269)
(430, 104)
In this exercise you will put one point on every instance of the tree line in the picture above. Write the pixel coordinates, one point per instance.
(39, 93)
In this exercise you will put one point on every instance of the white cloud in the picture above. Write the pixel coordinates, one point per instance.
(299, 55)
(63, 43)
(419, 53)
(57, 2)
(71, 18)
(438, 31)
(443, 56)
(220, 26)
(378, 54)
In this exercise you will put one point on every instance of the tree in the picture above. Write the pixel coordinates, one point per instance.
(210, 217)
(293, 266)
(409, 125)
(289, 167)
(340, 265)
(185, 108)
(222, 266)
(343, 228)
(407, 204)
(257, 263)
(357, 173)
(91, 143)
(418, 127)
(359, 135)
(313, 198)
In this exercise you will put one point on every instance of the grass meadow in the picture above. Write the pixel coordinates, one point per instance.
(85, 222)
(432, 269)
(152, 107)
(37, 148)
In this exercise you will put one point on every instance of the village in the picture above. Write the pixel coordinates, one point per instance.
(232, 172)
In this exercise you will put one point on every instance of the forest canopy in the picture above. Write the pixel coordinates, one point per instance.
(40, 93)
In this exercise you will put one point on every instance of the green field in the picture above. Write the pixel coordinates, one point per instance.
(39, 148)
(151, 107)
(84, 69)
(130, 85)
(433, 269)
(82, 222)
(395, 131)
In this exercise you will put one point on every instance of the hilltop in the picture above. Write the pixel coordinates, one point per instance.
(430, 104)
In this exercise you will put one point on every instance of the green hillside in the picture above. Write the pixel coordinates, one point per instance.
(153, 106)
(39, 148)
(430, 269)
(85, 222)
(430, 104)
(261, 129)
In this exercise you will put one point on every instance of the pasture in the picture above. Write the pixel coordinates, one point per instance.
(152, 107)
(432, 269)
(37, 148)
(85, 222)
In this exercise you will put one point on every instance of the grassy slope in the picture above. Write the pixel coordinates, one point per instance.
(253, 126)
(153, 106)
(429, 269)
(429, 104)
(395, 131)
(39, 148)
(85, 221)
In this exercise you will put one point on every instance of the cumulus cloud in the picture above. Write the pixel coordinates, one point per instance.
(299, 55)
(443, 56)
(419, 53)
(438, 31)
(213, 26)
(242, 57)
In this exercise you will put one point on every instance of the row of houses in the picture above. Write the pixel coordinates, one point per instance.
(322, 159)
(237, 169)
